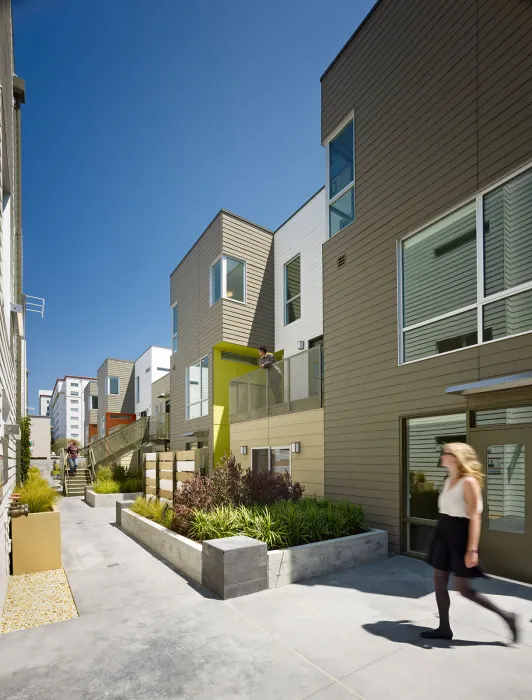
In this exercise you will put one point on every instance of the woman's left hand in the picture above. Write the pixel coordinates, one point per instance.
(471, 559)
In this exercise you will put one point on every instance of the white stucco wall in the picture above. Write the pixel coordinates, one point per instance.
(304, 234)
(149, 368)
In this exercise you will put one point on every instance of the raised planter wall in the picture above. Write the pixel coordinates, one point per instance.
(36, 542)
(309, 560)
(181, 552)
(239, 575)
(107, 500)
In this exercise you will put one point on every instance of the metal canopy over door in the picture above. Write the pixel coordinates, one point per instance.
(506, 541)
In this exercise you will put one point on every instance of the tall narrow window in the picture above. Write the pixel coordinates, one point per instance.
(228, 280)
(94, 402)
(341, 185)
(113, 386)
(174, 329)
(137, 386)
(292, 290)
(197, 389)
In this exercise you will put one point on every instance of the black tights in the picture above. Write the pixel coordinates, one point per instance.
(441, 581)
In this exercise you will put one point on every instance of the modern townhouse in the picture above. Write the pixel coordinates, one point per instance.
(153, 364)
(283, 430)
(116, 395)
(13, 376)
(221, 295)
(160, 395)
(426, 123)
(90, 397)
(67, 408)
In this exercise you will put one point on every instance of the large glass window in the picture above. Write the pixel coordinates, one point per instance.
(341, 185)
(197, 389)
(228, 279)
(275, 459)
(174, 329)
(467, 279)
(113, 386)
(292, 290)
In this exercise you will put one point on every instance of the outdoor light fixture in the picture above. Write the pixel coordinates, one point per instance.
(296, 447)
(300, 344)
(243, 450)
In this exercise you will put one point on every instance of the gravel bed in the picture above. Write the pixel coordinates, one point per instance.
(37, 599)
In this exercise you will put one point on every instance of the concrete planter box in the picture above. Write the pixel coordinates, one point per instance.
(179, 551)
(107, 500)
(309, 560)
(36, 542)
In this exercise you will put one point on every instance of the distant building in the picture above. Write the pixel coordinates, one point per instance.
(116, 395)
(149, 368)
(67, 408)
(45, 397)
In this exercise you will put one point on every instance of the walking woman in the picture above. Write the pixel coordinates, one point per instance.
(455, 545)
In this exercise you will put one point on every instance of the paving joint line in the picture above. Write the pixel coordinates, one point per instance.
(301, 656)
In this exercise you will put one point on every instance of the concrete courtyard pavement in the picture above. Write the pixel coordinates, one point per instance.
(145, 632)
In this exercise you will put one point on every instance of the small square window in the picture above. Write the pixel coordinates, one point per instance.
(113, 386)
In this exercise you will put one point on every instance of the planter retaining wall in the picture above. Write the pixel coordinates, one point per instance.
(181, 552)
(107, 500)
(36, 542)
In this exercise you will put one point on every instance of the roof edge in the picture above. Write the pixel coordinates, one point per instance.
(299, 208)
(351, 38)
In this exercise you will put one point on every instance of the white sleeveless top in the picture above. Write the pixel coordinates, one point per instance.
(451, 501)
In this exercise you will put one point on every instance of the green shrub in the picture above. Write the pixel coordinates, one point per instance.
(104, 474)
(34, 470)
(25, 447)
(154, 509)
(283, 524)
(39, 496)
(131, 484)
(106, 486)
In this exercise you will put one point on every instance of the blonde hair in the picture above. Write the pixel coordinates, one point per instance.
(467, 458)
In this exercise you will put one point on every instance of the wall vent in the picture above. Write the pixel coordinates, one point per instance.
(341, 260)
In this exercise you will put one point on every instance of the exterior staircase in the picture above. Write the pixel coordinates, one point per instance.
(75, 485)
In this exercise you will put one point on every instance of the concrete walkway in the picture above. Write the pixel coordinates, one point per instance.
(146, 633)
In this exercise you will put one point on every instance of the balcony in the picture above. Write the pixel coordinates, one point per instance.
(294, 384)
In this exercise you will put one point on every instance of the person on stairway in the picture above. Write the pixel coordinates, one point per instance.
(73, 458)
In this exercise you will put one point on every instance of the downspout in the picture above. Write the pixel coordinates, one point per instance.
(20, 99)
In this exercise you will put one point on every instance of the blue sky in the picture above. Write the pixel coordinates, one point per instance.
(141, 121)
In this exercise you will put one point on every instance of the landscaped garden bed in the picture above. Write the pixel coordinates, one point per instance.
(305, 537)
(113, 485)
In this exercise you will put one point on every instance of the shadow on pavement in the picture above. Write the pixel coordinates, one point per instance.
(404, 632)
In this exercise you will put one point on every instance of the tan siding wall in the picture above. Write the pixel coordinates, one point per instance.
(161, 386)
(199, 327)
(125, 401)
(91, 415)
(280, 431)
(250, 324)
(443, 112)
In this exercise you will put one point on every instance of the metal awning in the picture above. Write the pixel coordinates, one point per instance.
(511, 381)
(196, 433)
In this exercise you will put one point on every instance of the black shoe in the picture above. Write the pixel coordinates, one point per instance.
(439, 633)
(512, 622)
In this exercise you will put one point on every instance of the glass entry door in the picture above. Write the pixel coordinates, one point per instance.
(506, 542)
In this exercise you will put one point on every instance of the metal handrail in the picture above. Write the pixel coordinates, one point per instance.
(293, 384)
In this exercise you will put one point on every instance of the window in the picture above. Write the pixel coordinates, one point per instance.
(147, 370)
(228, 279)
(197, 389)
(74, 410)
(467, 279)
(74, 435)
(292, 290)
(174, 329)
(137, 388)
(113, 386)
(274, 459)
(74, 401)
(163, 369)
(424, 476)
(341, 178)
(94, 402)
(74, 393)
(74, 384)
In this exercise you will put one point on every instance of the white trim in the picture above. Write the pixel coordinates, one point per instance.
(175, 335)
(481, 300)
(187, 390)
(108, 385)
(223, 290)
(349, 117)
(340, 194)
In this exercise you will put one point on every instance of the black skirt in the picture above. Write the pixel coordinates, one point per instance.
(449, 546)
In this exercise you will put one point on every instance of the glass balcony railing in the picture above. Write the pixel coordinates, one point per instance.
(291, 385)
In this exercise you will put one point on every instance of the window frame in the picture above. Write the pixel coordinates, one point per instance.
(482, 300)
(92, 407)
(351, 186)
(175, 326)
(270, 448)
(223, 295)
(187, 389)
(108, 385)
(297, 296)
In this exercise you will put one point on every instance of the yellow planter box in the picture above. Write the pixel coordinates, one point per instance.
(36, 542)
